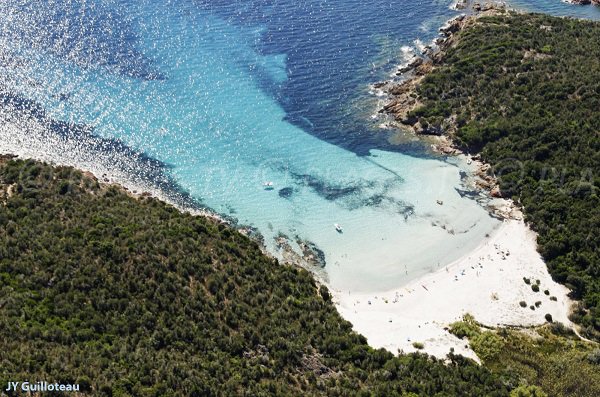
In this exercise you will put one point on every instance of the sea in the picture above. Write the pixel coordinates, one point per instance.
(262, 111)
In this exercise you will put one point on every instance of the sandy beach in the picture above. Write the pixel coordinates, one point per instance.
(487, 283)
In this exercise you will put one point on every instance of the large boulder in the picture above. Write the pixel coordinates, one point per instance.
(495, 192)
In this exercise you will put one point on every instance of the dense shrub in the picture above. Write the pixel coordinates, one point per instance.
(528, 391)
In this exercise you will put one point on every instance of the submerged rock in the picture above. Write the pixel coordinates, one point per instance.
(311, 254)
(324, 189)
(286, 192)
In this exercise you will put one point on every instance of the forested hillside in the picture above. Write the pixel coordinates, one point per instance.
(524, 90)
(130, 297)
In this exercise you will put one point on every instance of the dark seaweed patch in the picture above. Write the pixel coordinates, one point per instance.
(286, 192)
(467, 193)
(323, 189)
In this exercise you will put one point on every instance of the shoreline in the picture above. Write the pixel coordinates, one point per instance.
(421, 310)
(488, 283)
(402, 98)
(438, 311)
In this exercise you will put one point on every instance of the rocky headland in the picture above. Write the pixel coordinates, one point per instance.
(404, 98)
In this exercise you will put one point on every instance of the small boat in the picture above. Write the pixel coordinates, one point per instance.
(268, 185)
(338, 227)
(440, 202)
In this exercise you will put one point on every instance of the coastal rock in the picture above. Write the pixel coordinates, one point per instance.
(447, 149)
(400, 108)
(487, 7)
(424, 68)
(89, 175)
(486, 181)
(417, 61)
(311, 254)
(461, 5)
(282, 242)
(6, 157)
(453, 26)
(483, 184)
(403, 70)
(582, 2)
(495, 192)
(400, 89)
(431, 50)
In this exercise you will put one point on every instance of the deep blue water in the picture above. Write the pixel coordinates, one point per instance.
(331, 49)
(208, 100)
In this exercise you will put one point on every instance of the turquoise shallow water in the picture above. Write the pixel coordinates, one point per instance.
(213, 99)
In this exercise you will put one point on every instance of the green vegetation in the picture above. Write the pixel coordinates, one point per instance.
(130, 297)
(528, 391)
(418, 345)
(524, 91)
(548, 361)
(486, 344)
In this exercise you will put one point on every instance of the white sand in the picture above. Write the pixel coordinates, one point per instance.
(488, 283)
